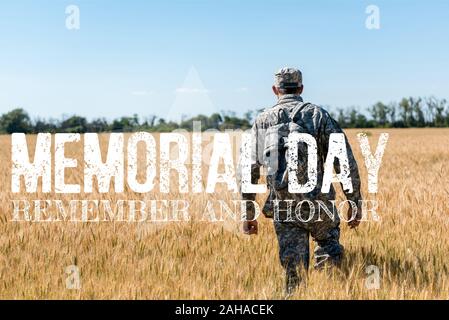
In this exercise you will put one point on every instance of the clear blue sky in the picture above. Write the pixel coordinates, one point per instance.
(168, 57)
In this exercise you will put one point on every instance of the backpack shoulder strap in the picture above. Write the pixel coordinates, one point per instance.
(297, 109)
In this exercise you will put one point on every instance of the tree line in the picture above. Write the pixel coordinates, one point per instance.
(408, 113)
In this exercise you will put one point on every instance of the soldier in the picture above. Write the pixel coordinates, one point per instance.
(268, 136)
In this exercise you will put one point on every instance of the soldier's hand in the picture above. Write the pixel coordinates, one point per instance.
(250, 227)
(354, 221)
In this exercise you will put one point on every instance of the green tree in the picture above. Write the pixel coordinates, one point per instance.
(342, 118)
(74, 124)
(417, 109)
(406, 113)
(16, 120)
(98, 125)
(42, 125)
(436, 110)
(379, 113)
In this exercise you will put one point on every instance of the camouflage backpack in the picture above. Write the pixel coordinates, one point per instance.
(276, 150)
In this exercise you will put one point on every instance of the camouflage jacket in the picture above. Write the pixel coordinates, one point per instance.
(320, 125)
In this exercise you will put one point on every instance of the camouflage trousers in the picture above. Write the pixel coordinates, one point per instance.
(293, 238)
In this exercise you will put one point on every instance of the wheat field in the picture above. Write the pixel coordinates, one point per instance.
(200, 260)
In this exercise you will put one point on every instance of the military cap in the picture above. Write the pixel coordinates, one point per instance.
(288, 78)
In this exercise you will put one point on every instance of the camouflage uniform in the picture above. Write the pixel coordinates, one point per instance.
(293, 236)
